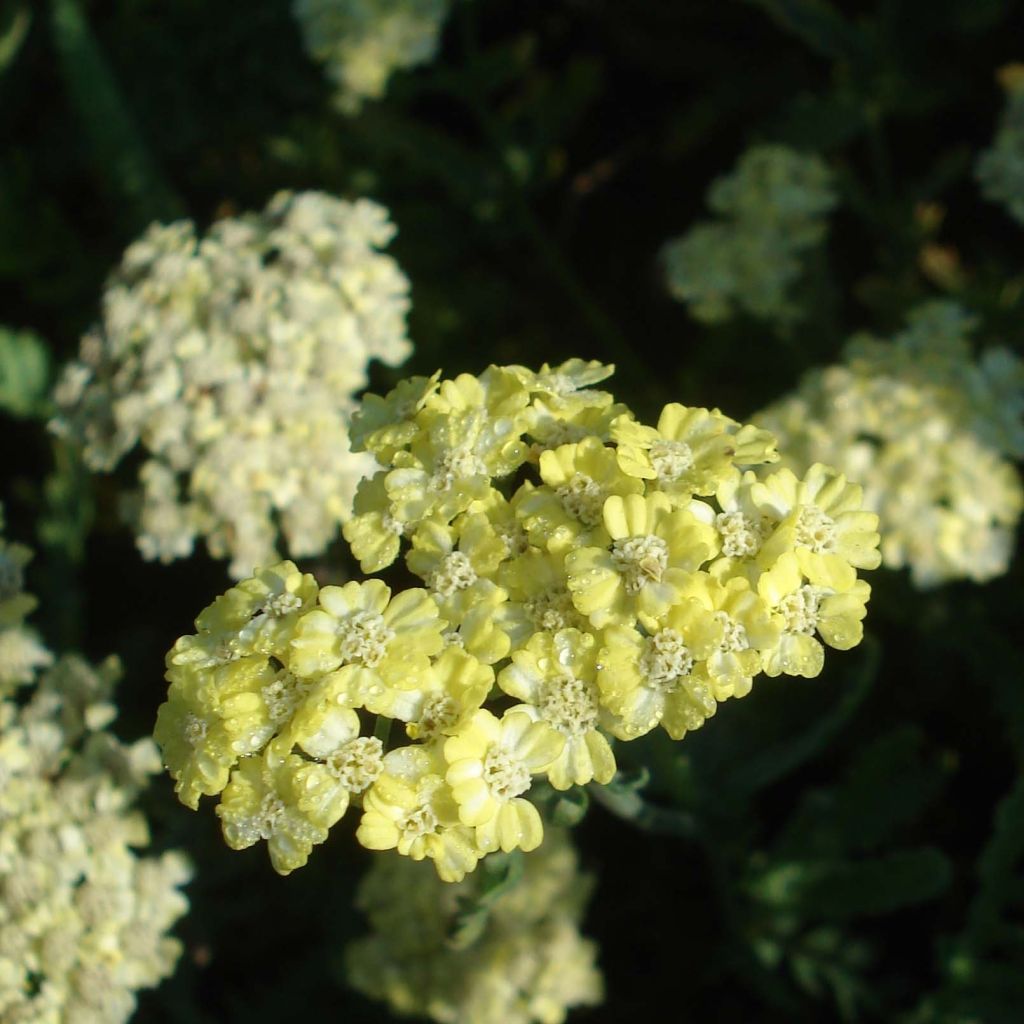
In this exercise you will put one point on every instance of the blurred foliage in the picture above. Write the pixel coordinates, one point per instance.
(850, 847)
(24, 374)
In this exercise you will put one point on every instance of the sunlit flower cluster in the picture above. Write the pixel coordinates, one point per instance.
(83, 917)
(232, 359)
(528, 964)
(770, 213)
(362, 42)
(587, 577)
(926, 429)
(1000, 169)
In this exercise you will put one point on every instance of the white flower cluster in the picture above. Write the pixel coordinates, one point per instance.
(770, 212)
(361, 42)
(21, 653)
(83, 918)
(1000, 169)
(928, 432)
(528, 964)
(233, 358)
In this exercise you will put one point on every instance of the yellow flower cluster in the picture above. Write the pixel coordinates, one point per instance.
(529, 963)
(587, 576)
(362, 42)
(233, 359)
(927, 430)
(83, 917)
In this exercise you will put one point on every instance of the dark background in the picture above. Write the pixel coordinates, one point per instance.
(535, 170)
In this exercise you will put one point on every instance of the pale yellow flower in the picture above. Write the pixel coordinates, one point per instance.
(491, 764)
(654, 549)
(554, 676)
(660, 678)
(410, 808)
(361, 624)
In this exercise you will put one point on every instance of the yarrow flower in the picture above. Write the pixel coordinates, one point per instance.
(770, 213)
(586, 579)
(929, 431)
(85, 917)
(528, 965)
(232, 359)
(362, 42)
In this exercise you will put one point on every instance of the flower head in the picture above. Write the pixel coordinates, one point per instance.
(232, 360)
(611, 577)
(491, 764)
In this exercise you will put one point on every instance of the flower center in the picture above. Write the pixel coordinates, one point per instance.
(639, 560)
(513, 536)
(553, 610)
(265, 821)
(734, 635)
(453, 638)
(569, 705)
(279, 605)
(800, 610)
(505, 778)
(561, 432)
(457, 464)
(740, 538)
(666, 660)
(454, 573)
(583, 498)
(364, 636)
(282, 697)
(226, 650)
(439, 717)
(815, 530)
(419, 822)
(195, 730)
(389, 524)
(671, 459)
(357, 763)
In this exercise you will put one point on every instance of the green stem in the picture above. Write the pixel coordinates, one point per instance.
(382, 729)
(633, 808)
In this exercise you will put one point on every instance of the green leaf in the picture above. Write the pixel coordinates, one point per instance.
(819, 25)
(1001, 865)
(14, 35)
(888, 784)
(120, 155)
(843, 890)
(24, 374)
(570, 808)
(496, 875)
(820, 122)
